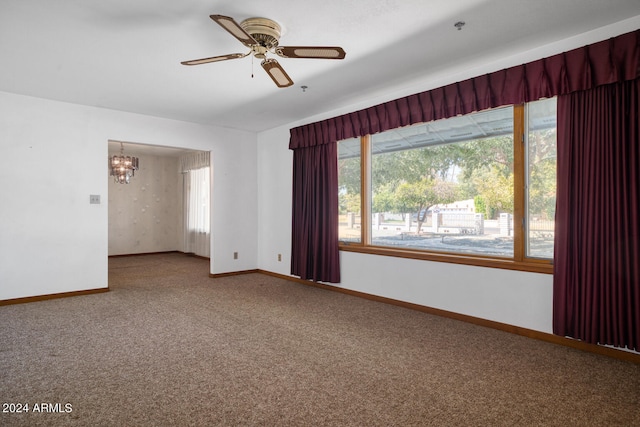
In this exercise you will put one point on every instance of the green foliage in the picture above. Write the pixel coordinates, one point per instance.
(542, 173)
(480, 205)
(411, 181)
(348, 202)
(349, 185)
(349, 175)
(420, 196)
(487, 174)
(484, 153)
(496, 190)
(384, 200)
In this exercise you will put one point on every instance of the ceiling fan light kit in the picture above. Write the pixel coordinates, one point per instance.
(262, 36)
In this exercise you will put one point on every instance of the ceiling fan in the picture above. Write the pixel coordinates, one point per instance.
(261, 36)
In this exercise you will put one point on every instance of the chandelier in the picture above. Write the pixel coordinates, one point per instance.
(123, 167)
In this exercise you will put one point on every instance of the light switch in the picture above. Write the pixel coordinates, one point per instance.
(94, 199)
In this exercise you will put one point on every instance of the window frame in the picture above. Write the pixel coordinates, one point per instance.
(519, 261)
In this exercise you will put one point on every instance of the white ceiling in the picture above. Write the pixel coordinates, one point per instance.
(125, 54)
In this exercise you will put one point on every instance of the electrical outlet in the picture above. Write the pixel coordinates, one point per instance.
(94, 199)
(235, 255)
(279, 257)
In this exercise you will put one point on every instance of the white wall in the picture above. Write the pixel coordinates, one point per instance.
(275, 173)
(53, 156)
(516, 298)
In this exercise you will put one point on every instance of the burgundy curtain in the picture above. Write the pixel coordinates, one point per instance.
(597, 245)
(314, 240)
(609, 61)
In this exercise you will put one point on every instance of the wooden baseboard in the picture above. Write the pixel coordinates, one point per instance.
(529, 333)
(189, 254)
(89, 291)
(52, 296)
(146, 253)
(233, 273)
(192, 255)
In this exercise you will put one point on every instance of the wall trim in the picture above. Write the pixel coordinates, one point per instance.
(193, 255)
(234, 273)
(36, 298)
(190, 254)
(146, 253)
(615, 353)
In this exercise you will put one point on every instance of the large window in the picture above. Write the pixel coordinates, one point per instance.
(474, 187)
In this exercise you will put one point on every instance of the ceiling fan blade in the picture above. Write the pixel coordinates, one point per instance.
(277, 73)
(320, 52)
(234, 29)
(215, 59)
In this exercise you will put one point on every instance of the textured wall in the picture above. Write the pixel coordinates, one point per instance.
(146, 214)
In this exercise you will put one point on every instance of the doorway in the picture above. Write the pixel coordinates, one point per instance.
(147, 215)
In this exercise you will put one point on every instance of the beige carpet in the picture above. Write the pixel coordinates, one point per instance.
(169, 346)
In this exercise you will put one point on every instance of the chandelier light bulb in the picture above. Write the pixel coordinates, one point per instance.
(123, 167)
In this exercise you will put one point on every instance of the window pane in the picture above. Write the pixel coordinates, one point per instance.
(446, 185)
(541, 178)
(349, 185)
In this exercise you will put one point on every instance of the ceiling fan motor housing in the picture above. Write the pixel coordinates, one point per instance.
(263, 30)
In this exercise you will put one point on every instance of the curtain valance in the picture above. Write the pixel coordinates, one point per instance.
(197, 160)
(609, 61)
